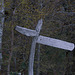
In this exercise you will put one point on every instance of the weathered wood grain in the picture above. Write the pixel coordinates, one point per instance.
(55, 43)
(25, 31)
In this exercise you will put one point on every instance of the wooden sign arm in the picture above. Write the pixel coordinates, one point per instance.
(29, 32)
(25, 31)
(55, 43)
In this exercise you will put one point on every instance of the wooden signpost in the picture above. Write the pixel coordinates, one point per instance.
(42, 40)
(34, 33)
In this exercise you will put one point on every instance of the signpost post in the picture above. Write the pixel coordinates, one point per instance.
(42, 40)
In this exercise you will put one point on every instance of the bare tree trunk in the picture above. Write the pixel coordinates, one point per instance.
(24, 62)
(9, 64)
(1, 29)
(38, 61)
(12, 40)
(14, 57)
(69, 66)
(12, 35)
